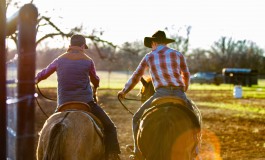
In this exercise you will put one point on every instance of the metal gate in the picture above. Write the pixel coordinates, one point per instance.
(17, 135)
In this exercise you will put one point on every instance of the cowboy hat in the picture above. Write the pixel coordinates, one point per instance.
(158, 36)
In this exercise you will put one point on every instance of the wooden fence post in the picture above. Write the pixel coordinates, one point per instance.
(3, 150)
(27, 22)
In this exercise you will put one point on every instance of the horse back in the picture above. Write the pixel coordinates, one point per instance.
(80, 137)
(167, 125)
(166, 99)
(84, 107)
(173, 101)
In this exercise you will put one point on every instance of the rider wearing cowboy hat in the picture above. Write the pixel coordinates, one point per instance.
(169, 72)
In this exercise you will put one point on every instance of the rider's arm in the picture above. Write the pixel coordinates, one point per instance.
(136, 76)
(93, 76)
(185, 73)
(46, 72)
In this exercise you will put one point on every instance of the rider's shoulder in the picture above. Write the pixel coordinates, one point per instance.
(70, 56)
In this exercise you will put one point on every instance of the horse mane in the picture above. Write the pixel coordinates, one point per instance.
(160, 129)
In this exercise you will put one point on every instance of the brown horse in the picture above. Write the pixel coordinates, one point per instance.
(169, 130)
(71, 134)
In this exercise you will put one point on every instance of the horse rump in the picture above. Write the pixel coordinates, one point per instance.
(167, 132)
(70, 135)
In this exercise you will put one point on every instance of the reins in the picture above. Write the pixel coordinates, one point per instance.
(41, 108)
(125, 106)
(37, 86)
(132, 99)
(52, 99)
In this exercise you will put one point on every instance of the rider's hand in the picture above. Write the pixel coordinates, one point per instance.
(95, 97)
(94, 90)
(186, 88)
(121, 94)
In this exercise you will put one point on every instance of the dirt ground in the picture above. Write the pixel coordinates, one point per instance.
(227, 134)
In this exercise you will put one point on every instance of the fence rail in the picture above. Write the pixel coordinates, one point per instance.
(19, 142)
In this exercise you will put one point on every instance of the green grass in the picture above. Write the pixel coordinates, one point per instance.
(108, 80)
(197, 86)
(234, 106)
(255, 91)
(207, 95)
(117, 80)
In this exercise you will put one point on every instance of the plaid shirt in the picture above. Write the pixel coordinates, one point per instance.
(167, 67)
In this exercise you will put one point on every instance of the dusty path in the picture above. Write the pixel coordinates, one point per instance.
(227, 134)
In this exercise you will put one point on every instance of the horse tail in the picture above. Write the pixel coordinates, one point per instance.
(56, 140)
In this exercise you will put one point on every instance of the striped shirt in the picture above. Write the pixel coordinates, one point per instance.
(167, 67)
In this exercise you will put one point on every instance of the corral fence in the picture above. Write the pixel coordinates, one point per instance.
(17, 135)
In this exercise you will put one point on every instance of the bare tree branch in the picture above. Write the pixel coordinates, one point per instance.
(44, 21)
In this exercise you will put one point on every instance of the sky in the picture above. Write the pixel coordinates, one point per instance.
(130, 20)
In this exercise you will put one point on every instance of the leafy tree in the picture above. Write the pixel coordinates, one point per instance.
(228, 53)
(197, 61)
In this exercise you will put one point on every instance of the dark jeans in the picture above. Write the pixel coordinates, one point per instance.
(111, 139)
(160, 92)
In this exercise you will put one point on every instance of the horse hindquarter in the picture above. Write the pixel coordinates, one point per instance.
(71, 137)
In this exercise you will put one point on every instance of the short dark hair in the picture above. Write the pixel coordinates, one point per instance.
(78, 40)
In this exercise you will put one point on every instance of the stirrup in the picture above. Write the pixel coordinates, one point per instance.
(133, 157)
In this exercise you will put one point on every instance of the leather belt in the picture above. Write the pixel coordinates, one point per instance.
(173, 87)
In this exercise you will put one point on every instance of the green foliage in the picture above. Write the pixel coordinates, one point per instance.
(228, 53)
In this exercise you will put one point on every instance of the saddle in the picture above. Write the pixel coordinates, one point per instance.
(84, 107)
(74, 105)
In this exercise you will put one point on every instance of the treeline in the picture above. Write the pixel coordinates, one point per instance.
(224, 53)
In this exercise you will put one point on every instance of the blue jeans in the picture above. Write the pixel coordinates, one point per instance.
(160, 92)
(111, 139)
